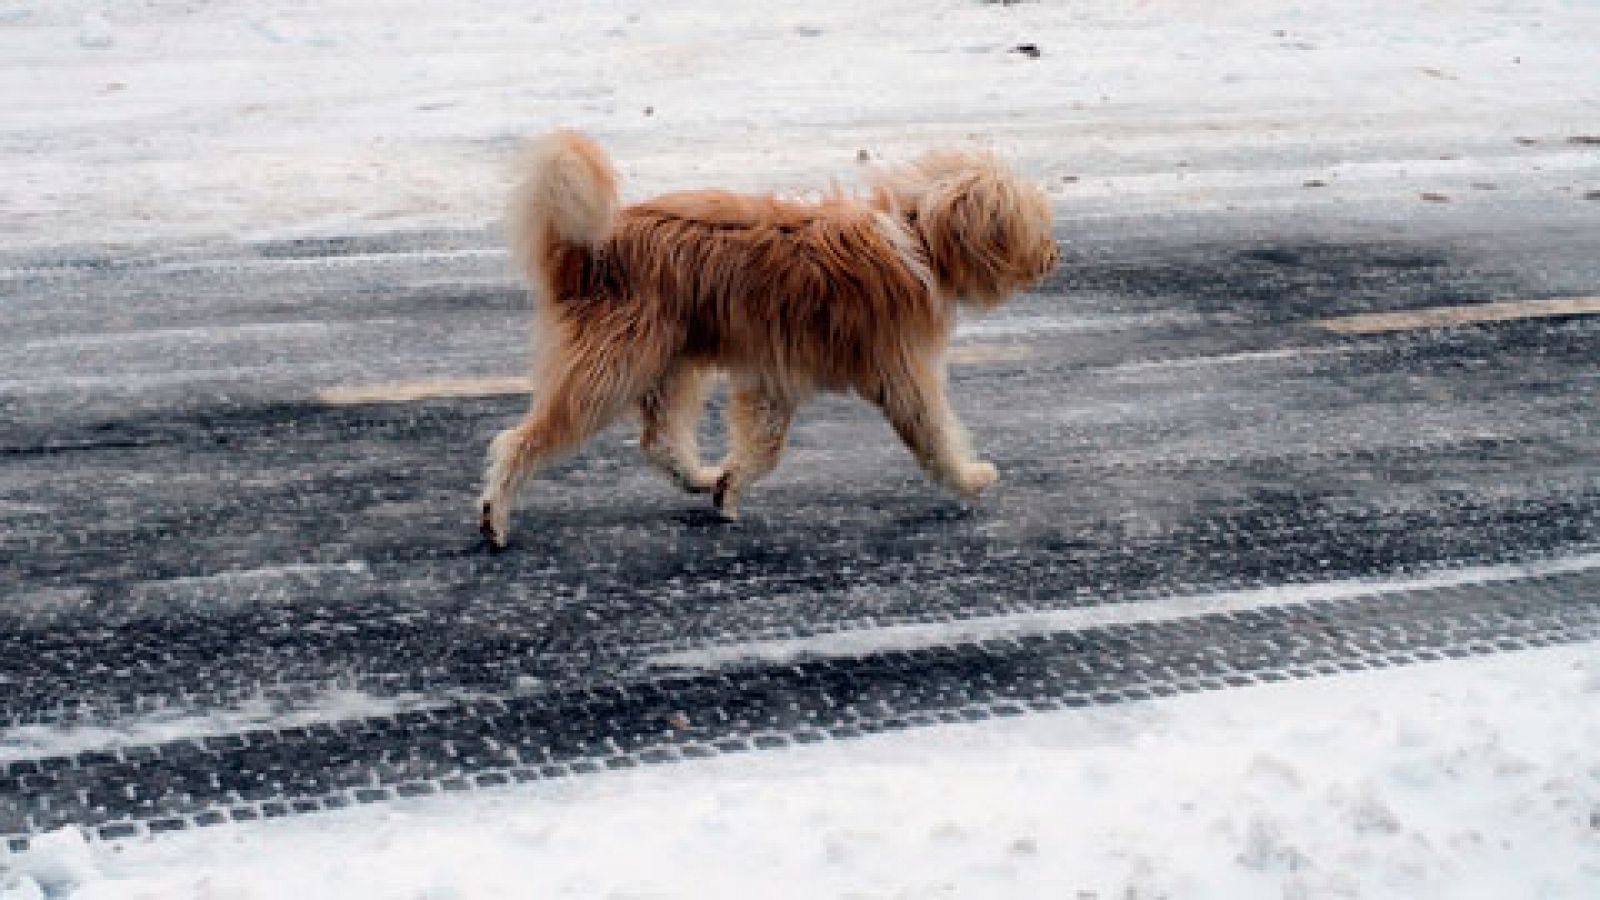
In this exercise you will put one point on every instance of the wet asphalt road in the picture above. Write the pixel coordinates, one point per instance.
(186, 523)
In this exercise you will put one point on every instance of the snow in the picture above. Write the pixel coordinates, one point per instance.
(1458, 779)
(137, 121)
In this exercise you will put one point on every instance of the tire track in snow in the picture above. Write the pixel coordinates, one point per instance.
(732, 706)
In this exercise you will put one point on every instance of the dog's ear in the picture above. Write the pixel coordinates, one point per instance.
(965, 225)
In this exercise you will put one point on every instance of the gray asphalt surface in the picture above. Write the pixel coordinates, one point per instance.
(185, 522)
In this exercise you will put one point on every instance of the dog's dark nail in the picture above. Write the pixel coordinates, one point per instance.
(719, 494)
(486, 528)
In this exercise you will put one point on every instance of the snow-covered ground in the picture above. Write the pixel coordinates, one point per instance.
(1448, 780)
(132, 120)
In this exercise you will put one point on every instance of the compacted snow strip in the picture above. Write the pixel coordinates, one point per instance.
(163, 726)
(908, 637)
(1459, 779)
(1014, 325)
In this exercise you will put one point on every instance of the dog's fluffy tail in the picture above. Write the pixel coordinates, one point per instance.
(567, 195)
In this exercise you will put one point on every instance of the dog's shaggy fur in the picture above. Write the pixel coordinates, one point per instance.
(637, 306)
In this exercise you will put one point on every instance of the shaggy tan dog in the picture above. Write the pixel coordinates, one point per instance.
(637, 307)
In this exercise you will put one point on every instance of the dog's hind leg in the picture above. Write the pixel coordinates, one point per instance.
(670, 410)
(758, 423)
(578, 397)
(912, 397)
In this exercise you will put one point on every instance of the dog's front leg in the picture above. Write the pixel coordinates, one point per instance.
(758, 423)
(912, 397)
(510, 462)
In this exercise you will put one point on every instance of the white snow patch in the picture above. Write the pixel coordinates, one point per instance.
(59, 863)
(95, 32)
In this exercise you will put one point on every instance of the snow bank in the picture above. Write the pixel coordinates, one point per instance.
(1462, 779)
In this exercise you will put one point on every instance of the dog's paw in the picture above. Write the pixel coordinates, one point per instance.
(701, 481)
(494, 523)
(974, 478)
(725, 498)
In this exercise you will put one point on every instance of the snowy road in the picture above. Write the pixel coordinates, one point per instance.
(1290, 587)
(229, 486)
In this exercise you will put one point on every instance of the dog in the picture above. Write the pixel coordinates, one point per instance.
(637, 307)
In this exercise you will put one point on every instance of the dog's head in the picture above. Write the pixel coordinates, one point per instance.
(986, 230)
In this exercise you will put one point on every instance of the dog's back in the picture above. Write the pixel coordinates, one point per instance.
(806, 290)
